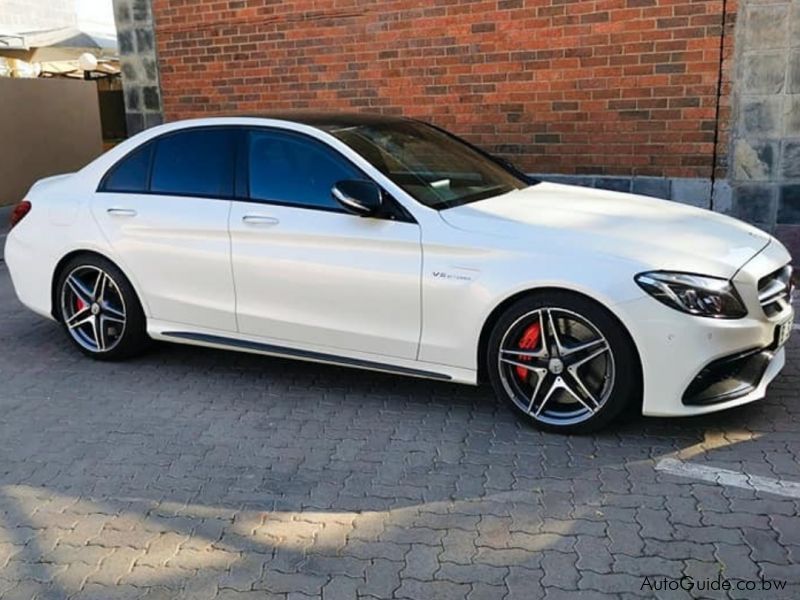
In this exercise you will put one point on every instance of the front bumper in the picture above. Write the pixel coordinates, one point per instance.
(734, 360)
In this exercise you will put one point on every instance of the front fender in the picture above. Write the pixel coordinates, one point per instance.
(462, 291)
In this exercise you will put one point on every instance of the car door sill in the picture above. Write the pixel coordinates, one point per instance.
(218, 340)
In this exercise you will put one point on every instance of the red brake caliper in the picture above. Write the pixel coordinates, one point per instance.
(79, 305)
(529, 341)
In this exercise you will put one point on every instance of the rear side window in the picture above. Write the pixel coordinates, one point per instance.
(196, 162)
(292, 169)
(131, 173)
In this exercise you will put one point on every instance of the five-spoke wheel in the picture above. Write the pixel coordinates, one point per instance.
(99, 309)
(557, 357)
(93, 308)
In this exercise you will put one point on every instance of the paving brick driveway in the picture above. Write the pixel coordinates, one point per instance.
(194, 473)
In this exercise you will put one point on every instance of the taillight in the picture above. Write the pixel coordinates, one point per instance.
(19, 211)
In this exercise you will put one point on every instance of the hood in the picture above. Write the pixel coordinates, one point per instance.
(657, 234)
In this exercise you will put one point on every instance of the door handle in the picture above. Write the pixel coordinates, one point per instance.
(121, 212)
(260, 220)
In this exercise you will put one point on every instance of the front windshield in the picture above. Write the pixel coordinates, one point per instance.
(435, 168)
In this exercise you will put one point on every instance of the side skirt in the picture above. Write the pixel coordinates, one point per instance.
(272, 350)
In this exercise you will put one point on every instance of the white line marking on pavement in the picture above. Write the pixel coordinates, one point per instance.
(756, 483)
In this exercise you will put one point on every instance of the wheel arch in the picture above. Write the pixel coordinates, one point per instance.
(54, 304)
(497, 312)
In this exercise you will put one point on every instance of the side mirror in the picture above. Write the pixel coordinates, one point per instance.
(358, 196)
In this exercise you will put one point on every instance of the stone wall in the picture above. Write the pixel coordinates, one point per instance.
(696, 191)
(137, 51)
(765, 164)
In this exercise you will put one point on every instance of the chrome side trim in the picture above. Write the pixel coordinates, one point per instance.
(284, 352)
(347, 201)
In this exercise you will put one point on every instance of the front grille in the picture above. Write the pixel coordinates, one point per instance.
(774, 291)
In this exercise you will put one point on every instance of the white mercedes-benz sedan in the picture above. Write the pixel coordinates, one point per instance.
(389, 244)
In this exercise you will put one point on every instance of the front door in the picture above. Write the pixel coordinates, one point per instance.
(309, 273)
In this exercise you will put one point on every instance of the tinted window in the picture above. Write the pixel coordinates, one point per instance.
(197, 162)
(295, 170)
(130, 174)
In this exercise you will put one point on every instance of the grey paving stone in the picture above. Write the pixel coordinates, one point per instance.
(341, 588)
(422, 561)
(482, 591)
(614, 582)
(593, 554)
(765, 547)
(523, 583)
(474, 573)
(432, 590)
(382, 578)
(560, 570)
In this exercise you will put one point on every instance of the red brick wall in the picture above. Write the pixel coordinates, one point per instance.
(617, 87)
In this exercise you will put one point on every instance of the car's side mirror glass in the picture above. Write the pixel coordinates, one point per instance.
(360, 197)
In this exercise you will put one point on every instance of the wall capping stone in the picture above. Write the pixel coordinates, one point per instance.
(693, 191)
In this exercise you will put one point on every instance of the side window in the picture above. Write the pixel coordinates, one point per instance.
(292, 169)
(195, 162)
(131, 173)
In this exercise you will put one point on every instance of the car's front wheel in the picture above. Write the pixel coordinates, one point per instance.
(99, 309)
(563, 362)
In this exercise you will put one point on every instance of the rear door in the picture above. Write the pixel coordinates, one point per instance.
(164, 209)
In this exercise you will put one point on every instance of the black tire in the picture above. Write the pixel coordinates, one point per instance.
(573, 396)
(77, 299)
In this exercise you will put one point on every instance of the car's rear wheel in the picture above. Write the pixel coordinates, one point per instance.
(563, 362)
(99, 309)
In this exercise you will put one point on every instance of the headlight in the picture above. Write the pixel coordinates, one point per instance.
(694, 294)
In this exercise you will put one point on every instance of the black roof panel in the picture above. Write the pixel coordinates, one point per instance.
(329, 120)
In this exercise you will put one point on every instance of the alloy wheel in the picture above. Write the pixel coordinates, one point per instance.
(556, 366)
(93, 309)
